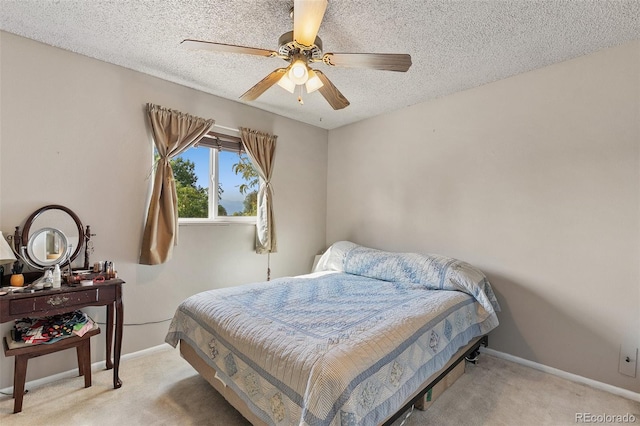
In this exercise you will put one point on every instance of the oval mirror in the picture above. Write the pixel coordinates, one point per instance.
(47, 246)
(45, 222)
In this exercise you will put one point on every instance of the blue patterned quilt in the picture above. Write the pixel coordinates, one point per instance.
(335, 348)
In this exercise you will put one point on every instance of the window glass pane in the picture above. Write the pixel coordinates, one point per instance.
(235, 191)
(238, 182)
(191, 173)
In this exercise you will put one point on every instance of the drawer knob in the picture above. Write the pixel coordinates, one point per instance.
(55, 301)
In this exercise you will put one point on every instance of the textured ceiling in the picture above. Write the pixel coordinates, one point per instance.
(455, 45)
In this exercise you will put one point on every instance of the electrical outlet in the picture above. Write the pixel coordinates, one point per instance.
(628, 360)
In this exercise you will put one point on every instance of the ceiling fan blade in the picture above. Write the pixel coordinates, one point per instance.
(257, 90)
(225, 48)
(376, 61)
(331, 93)
(307, 17)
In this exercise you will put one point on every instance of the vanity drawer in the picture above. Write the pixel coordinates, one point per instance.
(42, 304)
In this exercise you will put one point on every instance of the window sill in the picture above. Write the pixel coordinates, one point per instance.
(221, 221)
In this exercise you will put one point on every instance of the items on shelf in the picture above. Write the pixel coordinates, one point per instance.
(52, 328)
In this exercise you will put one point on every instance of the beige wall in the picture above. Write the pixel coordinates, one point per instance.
(536, 180)
(73, 132)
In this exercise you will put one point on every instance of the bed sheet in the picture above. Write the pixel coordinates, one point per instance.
(333, 349)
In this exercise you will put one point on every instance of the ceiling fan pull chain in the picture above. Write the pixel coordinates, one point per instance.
(300, 97)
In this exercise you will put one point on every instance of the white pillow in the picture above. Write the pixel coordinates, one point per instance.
(333, 258)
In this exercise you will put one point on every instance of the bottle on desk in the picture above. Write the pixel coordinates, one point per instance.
(57, 279)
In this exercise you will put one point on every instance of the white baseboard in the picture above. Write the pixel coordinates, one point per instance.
(564, 375)
(96, 366)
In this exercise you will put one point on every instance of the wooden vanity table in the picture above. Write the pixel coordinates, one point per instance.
(53, 235)
(67, 299)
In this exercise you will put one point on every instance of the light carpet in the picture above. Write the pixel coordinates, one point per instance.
(163, 389)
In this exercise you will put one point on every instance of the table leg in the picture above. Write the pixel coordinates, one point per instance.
(85, 349)
(118, 343)
(19, 377)
(80, 361)
(109, 336)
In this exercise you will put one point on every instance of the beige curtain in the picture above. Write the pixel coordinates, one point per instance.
(261, 148)
(173, 132)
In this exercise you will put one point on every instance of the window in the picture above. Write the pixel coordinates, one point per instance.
(215, 180)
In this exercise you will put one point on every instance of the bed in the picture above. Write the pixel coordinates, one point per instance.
(353, 343)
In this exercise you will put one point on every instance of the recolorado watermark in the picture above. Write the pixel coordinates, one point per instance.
(605, 418)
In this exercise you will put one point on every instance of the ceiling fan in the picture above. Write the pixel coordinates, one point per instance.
(301, 47)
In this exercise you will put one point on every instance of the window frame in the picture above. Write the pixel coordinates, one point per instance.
(217, 142)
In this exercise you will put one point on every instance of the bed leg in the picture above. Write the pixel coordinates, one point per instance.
(485, 341)
(473, 356)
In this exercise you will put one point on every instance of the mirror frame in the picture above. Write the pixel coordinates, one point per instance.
(35, 214)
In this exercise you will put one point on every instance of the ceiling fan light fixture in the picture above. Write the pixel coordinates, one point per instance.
(313, 83)
(286, 83)
(298, 72)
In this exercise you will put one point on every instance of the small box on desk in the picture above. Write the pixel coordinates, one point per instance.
(437, 390)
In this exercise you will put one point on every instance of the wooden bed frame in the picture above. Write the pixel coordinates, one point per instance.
(209, 374)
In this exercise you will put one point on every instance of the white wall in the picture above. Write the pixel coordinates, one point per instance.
(534, 179)
(73, 132)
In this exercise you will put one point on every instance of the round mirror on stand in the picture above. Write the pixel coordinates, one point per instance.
(52, 235)
(48, 246)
